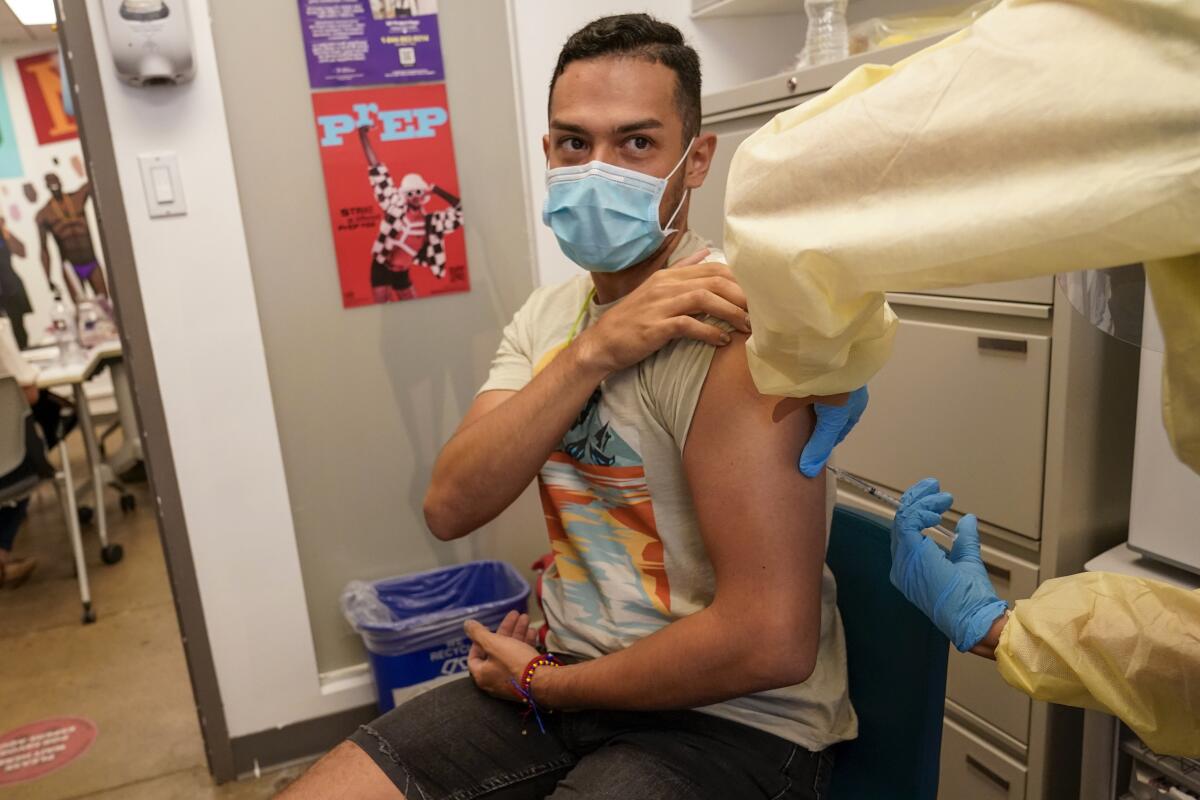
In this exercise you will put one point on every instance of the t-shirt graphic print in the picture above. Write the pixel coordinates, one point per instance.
(608, 556)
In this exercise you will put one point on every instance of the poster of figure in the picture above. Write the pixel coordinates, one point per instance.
(371, 42)
(63, 219)
(388, 159)
(44, 93)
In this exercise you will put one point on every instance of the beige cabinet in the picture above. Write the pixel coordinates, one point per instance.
(963, 398)
(1029, 290)
(974, 769)
(707, 213)
(973, 682)
(1036, 441)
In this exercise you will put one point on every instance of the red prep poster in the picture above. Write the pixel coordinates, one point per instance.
(393, 194)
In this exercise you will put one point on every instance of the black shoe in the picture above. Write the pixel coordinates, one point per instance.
(135, 474)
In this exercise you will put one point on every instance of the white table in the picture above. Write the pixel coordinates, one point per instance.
(75, 373)
(110, 353)
(1124, 561)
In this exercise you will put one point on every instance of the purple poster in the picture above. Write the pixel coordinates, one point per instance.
(370, 42)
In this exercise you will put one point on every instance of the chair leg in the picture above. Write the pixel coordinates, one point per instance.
(72, 518)
(87, 430)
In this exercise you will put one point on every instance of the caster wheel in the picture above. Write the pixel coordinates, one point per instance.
(89, 616)
(85, 515)
(112, 554)
(128, 502)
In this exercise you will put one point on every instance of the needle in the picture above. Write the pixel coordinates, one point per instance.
(881, 495)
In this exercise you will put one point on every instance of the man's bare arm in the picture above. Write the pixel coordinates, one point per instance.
(452, 199)
(364, 137)
(764, 527)
(501, 444)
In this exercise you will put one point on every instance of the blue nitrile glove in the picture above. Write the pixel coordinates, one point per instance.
(952, 590)
(833, 423)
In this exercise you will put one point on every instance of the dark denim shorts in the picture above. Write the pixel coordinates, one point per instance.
(457, 743)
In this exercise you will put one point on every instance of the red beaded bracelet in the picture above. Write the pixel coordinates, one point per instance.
(547, 660)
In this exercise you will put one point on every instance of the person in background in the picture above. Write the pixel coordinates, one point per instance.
(1123, 645)
(13, 299)
(15, 571)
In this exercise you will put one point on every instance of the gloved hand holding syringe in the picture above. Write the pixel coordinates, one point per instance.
(884, 497)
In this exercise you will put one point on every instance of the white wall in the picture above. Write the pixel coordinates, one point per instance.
(1162, 511)
(202, 317)
(37, 160)
(357, 484)
(733, 50)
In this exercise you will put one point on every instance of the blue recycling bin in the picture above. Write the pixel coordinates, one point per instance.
(412, 625)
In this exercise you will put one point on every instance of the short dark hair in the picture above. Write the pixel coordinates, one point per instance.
(640, 36)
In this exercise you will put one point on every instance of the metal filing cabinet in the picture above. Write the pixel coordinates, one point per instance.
(1024, 411)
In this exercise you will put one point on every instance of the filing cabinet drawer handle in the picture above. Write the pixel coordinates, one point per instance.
(1003, 345)
(990, 774)
(1000, 573)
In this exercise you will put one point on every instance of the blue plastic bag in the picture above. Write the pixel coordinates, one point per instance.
(412, 625)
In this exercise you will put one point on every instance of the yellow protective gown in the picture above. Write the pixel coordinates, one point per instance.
(1048, 137)
(1119, 644)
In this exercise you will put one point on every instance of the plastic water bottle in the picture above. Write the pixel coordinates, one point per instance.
(827, 40)
(64, 329)
(91, 329)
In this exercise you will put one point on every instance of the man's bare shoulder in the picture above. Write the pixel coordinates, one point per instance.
(729, 378)
(698, 386)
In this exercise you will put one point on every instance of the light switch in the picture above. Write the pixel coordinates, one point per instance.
(163, 191)
(163, 184)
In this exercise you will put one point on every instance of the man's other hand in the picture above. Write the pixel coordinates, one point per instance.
(834, 421)
(497, 659)
(664, 308)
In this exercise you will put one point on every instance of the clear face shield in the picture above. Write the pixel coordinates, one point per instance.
(1113, 300)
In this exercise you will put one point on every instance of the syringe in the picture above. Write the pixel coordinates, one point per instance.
(882, 496)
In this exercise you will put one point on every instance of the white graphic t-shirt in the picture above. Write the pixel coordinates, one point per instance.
(628, 555)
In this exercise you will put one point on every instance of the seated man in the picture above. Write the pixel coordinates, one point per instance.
(688, 598)
(46, 411)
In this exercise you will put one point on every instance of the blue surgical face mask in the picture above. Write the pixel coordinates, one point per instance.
(606, 218)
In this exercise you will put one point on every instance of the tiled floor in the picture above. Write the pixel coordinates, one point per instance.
(126, 672)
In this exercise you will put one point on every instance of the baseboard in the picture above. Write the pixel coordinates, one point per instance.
(290, 743)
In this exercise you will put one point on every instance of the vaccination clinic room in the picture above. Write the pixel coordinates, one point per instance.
(661, 400)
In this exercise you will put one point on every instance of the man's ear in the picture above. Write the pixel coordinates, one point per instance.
(546, 146)
(700, 159)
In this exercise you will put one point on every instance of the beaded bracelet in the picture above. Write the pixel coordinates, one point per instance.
(524, 688)
(547, 660)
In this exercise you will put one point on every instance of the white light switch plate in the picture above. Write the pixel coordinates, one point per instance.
(162, 184)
